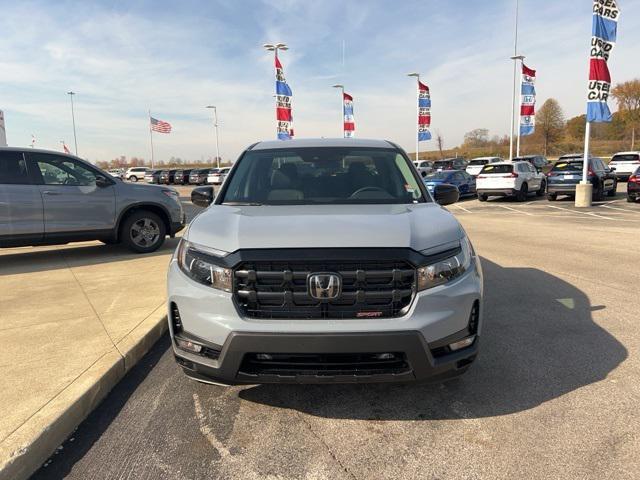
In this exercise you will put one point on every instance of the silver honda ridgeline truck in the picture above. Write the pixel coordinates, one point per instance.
(324, 261)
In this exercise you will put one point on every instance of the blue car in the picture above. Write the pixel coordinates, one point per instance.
(466, 183)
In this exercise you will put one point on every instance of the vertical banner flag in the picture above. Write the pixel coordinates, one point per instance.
(424, 112)
(604, 32)
(283, 104)
(349, 121)
(528, 105)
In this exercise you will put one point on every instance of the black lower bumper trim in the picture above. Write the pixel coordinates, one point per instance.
(420, 364)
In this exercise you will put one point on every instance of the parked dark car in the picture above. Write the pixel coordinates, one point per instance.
(450, 164)
(633, 186)
(465, 183)
(167, 176)
(182, 176)
(566, 173)
(199, 176)
(537, 161)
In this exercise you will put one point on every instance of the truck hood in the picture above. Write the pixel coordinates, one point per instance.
(230, 228)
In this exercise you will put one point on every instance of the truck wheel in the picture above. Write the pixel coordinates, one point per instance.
(598, 193)
(541, 190)
(552, 197)
(133, 178)
(613, 191)
(143, 232)
(482, 197)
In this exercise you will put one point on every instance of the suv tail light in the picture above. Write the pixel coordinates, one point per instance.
(513, 175)
(590, 173)
(634, 179)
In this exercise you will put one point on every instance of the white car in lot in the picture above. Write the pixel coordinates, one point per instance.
(475, 165)
(216, 177)
(507, 179)
(135, 174)
(625, 163)
(424, 167)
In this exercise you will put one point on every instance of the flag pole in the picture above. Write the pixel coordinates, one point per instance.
(519, 123)
(151, 138)
(418, 119)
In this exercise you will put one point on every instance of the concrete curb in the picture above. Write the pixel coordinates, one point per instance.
(26, 449)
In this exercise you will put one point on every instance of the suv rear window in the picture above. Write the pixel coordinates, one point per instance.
(626, 158)
(323, 175)
(491, 168)
(567, 167)
(479, 162)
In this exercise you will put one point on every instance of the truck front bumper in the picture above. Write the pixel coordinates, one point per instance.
(252, 358)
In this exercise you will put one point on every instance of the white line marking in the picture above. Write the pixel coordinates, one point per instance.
(620, 209)
(462, 208)
(583, 213)
(514, 210)
(206, 430)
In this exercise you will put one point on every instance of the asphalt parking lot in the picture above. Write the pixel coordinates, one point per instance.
(554, 393)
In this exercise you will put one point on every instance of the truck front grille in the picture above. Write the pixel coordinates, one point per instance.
(278, 289)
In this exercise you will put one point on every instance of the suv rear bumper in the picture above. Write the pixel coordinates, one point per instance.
(562, 189)
(497, 192)
(420, 364)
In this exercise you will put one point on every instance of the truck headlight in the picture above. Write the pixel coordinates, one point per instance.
(445, 270)
(200, 264)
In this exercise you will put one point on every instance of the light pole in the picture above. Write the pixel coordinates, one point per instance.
(515, 65)
(341, 87)
(417, 76)
(215, 124)
(73, 119)
(515, 59)
(274, 47)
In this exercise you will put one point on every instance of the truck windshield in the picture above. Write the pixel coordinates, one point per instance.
(326, 175)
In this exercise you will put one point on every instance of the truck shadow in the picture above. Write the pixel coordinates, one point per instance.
(539, 342)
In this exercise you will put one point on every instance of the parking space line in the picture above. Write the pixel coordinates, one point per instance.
(582, 213)
(517, 211)
(618, 209)
(462, 208)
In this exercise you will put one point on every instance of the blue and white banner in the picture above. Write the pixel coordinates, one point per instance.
(603, 38)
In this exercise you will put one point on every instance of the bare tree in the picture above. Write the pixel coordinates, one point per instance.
(440, 143)
(549, 123)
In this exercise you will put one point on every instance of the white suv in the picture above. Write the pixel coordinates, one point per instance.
(510, 179)
(136, 173)
(424, 167)
(624, 164)
(216, 177)
(475, 165)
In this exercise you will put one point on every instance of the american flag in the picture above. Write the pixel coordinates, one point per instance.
(160, 126)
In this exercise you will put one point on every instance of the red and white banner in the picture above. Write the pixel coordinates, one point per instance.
(349, 120)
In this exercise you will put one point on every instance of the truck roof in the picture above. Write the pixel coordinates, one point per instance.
(321, 142)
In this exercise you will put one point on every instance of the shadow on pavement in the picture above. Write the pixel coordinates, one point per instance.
(92, 428)
(539, 342)
(80, 255)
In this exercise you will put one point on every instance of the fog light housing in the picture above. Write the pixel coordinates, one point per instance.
(464, 343)
(384, 356)
(188, 345)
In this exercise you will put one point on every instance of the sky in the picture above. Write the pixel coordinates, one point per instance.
(175, 57)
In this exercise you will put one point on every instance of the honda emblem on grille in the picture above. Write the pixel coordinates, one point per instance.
(324, 286)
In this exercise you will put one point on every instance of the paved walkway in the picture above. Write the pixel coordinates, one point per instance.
(73, 320)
